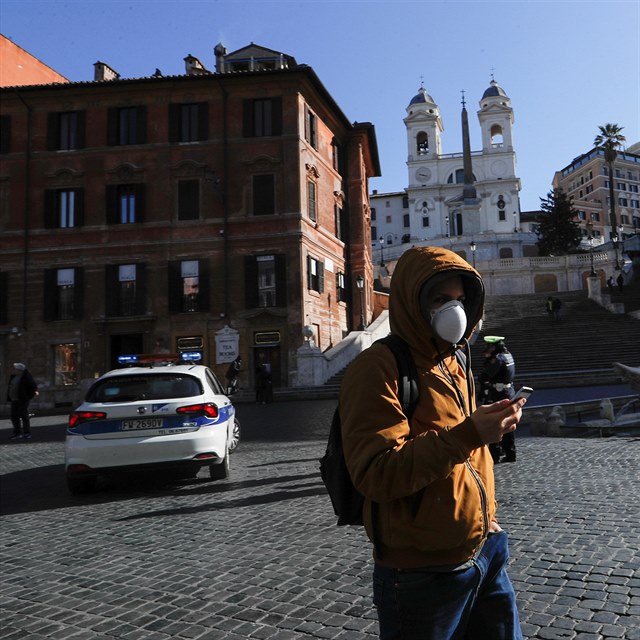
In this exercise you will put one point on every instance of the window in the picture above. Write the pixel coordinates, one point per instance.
(310, 128)
(65, 358)
(622, 186)
(422, 144)
(4, 297)
(188, 199)
(188, 286)
(188, 122)
(315, 275)
(262, 117)
(63, 294)
(582, 215)
(458, 176)
(374, 233)
(341, 290)
(263, 195)
(311, 200)
(63, 208)
(5, 134)
(502, 215)
(125, 203)
(125, 284)
(622, 202)
(406, 221)
(127, 125)
(265, 281)
(425, 221)
(66, 131)
(373, 214)
(589, 188)
(405, 202)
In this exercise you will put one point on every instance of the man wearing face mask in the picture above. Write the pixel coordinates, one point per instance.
(440, 555)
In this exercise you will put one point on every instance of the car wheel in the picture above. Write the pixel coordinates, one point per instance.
(235, 436)
(220, 471)
(79, 486)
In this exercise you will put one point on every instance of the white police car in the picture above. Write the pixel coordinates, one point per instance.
(162, 411)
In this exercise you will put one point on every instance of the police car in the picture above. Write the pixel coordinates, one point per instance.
(159, 411)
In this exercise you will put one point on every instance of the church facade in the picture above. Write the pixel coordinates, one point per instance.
(468, 200)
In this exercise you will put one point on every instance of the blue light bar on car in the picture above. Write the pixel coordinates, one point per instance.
(128, 359)
(191, 356)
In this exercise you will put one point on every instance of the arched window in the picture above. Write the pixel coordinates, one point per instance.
(422, 144)
(496, 135)
(459, 177)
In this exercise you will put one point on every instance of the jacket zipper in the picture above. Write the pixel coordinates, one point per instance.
(483, 498)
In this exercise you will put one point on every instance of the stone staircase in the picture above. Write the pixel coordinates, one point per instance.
(576, 350)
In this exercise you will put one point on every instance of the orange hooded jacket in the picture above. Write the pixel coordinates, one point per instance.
(432, 478)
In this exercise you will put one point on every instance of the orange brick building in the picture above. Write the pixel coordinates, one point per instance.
(225, 210)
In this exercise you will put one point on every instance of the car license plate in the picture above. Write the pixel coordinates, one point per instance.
(142, 423)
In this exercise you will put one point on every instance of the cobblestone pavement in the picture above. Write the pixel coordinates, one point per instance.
(259, 556)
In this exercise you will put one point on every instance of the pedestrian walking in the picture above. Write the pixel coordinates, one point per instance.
(610, 284)
(21, 390)
(620, 281)
(557, 306)
(430, 509)
(233, 371)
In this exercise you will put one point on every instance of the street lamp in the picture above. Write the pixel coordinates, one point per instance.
(473, 248)
(360, 285)
(446, 224)
(614, 240)
(593, 273)
(515, 222)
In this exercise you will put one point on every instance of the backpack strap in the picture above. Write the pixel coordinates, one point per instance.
(409, 390)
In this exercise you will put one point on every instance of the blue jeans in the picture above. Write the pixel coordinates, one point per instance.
(476, 603)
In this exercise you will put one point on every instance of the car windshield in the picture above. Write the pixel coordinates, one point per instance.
(144, 387)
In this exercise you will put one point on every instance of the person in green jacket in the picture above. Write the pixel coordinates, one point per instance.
(440, 556)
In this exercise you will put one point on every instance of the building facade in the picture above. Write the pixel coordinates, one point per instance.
(455, 199)
(224, 210)
(586, 181)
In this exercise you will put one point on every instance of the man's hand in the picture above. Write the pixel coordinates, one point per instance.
(492, 421)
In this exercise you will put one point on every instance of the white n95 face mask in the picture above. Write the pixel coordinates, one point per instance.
(449, 321)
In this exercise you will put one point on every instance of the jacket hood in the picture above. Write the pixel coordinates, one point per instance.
(421, 266)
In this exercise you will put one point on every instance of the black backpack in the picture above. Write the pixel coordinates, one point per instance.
(346, 499)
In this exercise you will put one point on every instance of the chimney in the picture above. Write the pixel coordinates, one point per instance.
(193, 66)
(103, 72)
(220, 52)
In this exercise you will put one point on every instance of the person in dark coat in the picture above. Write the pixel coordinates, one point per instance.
(620, 281)
(21, 390)
(495, 382)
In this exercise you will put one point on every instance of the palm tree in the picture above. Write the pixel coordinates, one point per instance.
(610, 139)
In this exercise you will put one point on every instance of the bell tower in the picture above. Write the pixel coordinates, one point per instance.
(424, 128)
(496, 120)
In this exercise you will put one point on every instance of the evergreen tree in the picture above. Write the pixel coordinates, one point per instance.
(558, 232)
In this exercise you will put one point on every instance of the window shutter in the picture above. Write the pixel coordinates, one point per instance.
(141, 202)
(203, 285)
(174, 123)
(4, 297)
(5, 134)
(111, 203)
(309, 273)
(141, 289)
(276, 116)
(141, 125)
(50, 295)
(53, 131)
(175, 287)
(81, 136)
(78, 293)
(251, 282)
(247, 118)
(111, 291)
(320, 267)
(113, 120)
(281, 280)
(79, 212)
(50, 217)
(203, 121)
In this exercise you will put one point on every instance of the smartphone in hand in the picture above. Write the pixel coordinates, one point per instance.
(523, 392)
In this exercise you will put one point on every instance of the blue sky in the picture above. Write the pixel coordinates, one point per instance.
(568, 66)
